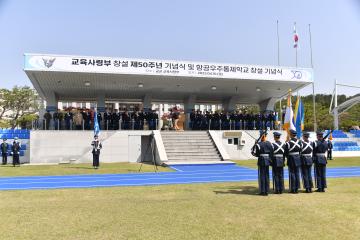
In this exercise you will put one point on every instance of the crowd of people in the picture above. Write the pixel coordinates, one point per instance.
(83, 119)
(237, 120)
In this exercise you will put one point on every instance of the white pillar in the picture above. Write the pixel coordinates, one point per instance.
(147, 103)
(189, 105)
(116, 106)
(101, 102)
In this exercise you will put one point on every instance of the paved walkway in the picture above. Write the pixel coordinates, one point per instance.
(185, 174)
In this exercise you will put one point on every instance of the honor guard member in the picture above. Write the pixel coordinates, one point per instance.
(320, 147)
(4, 149)
(278, 163)
(263, 151)
(306, 161)
(15, 151)
(97, 146)
(292, 152)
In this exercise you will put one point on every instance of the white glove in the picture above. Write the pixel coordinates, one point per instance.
(12, 153)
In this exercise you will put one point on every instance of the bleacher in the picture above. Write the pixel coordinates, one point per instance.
(337, 134)
(346, 146)
(342, 144)
(10, 134)
(356, 133)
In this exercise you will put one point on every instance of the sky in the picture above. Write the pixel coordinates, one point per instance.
(228, 31)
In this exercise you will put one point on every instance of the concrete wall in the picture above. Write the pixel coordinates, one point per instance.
(65, 146)
(238, 152)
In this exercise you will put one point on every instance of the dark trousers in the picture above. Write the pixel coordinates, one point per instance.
(278, 178)
(294, 177)
(329, 154)
(320, 171)
(307, 176)
(4, 158)
(96, 161)
(263, 176)
(16, 160)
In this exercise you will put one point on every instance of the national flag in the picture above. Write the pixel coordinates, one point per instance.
(299, 116)
(96, 125)
(288, 120)
(296, 37)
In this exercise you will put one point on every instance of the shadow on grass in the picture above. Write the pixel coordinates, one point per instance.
(246, 190)
(80, 167)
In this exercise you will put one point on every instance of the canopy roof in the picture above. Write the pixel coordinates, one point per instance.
(84, 78)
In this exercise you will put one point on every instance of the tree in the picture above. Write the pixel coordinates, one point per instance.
(18, 102)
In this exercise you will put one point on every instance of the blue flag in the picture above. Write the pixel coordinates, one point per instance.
(299, 116)
(96, 125)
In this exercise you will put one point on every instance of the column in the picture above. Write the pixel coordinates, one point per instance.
(229, 105)
(268, 105)
(189, 105)
(101, 102)
(51, 102)
(147, 103)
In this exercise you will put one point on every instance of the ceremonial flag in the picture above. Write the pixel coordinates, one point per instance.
(299, 116)
(96, 125)
(289, 115)
(296, 37)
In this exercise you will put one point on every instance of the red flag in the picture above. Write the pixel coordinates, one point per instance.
(296, 37)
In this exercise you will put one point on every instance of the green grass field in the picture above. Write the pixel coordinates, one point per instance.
(337, 162)
(66, 169)
(197, 211)
(193, 211)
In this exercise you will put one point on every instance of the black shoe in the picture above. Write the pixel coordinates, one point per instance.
(307, 190)
(310, 190)
(265, 194)
(318, 190)
(280, 192)
(323, 190)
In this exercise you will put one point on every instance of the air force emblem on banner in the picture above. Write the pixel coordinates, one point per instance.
(296, 74)
(48, 62)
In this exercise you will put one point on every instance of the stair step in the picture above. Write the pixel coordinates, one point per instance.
(194, 150)
(193, 157)
(192, 154)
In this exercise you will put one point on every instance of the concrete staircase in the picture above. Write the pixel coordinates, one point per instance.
(190, 147)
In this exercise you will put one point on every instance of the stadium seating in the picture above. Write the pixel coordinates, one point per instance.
(337, 134)
(356, 133)
(12, 133)
(346, 146)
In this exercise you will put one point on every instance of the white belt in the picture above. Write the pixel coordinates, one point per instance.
(320, 154)
(278, 155)
(264, 155)
(294, 153)
(307, 155)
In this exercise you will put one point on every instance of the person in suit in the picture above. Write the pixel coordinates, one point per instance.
(278, 160)
(47, 117)
(97, 146)
(4, 149)
(292, 152)
(263, 151)
(15, 151)
(306, 162)
(68, 119)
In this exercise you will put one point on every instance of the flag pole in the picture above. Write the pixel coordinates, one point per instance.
(313, 84)
(296, 53)
(278, 42)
